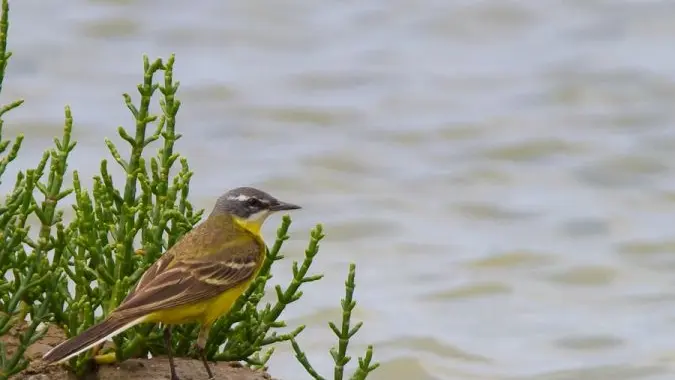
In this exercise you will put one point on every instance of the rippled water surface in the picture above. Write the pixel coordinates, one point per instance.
(501, 172)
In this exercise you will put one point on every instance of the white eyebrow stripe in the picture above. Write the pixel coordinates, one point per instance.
(240, 197)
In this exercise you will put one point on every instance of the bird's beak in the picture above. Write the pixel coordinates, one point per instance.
(283, 206)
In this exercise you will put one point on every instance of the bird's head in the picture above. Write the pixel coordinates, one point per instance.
(249, 206)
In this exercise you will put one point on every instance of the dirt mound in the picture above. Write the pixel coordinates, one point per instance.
(132, 369)
(147, 369)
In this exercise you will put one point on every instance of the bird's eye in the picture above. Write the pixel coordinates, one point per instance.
(253, 202)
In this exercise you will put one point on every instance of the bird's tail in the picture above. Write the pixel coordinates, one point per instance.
(93, 336)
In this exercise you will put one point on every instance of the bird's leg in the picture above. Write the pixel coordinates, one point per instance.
(201, 347)
(167, 342)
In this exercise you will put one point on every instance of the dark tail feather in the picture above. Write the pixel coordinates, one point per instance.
(96, 334)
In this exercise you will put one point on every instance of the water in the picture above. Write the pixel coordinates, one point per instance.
(501, 172)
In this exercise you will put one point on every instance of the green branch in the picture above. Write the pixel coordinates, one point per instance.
(247, 339)
(344, 334)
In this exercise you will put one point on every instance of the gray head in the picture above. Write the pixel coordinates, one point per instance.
(250, 204)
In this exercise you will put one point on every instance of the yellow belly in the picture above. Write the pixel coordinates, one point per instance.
(205, 311)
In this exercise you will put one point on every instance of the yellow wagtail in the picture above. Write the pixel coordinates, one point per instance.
(196, 280)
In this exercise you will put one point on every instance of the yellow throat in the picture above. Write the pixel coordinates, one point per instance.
(253, 223)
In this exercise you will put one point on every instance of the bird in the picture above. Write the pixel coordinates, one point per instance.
(198, 279)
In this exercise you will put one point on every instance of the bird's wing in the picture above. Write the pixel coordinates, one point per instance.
(199, 236)
(190, 280)
(153, 271)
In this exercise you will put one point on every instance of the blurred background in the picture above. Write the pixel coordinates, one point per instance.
(501, 172)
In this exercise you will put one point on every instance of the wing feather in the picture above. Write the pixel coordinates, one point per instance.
(153, 271)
